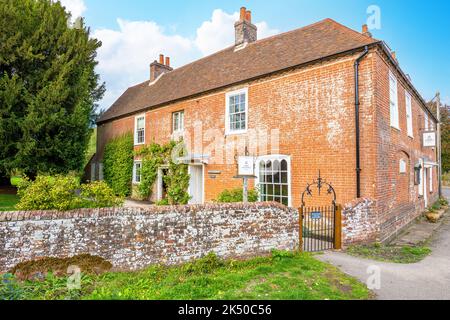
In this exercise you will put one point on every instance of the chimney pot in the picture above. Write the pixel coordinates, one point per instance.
(365, 31)
(157, 68)
(243, 13)
(245, 30)
(394, 55)
(248, 16)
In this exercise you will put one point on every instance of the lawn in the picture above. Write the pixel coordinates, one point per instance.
(281, 276)
(8, 201)
(386, 253)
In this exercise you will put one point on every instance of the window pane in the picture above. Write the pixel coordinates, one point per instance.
(284, 177)
(277, 190)
(284, 165)
(285, 191)
(140, 123)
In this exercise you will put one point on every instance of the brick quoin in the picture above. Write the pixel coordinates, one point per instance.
(312, 107)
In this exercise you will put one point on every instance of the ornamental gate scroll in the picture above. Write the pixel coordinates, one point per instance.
(320, 226)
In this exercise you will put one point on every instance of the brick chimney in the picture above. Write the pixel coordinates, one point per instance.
(365, 31)
(158, 68)
(246, 31)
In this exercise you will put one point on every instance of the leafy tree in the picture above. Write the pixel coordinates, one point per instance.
(445, 129)
(48, 88)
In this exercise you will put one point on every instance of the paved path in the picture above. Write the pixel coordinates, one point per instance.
(426, 280)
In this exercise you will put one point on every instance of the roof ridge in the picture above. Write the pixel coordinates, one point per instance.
(350, 29)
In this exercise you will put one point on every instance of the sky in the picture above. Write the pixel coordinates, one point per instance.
(135, 32)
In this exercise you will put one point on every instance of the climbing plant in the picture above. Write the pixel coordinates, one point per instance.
(118, 164)
(177, 180)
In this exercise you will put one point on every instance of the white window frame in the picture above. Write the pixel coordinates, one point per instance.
(409, 114)
(427, 122)
(403, 166)
(180, 129)
(136, 135)
(393, 101)
(228, 130)
(431, 179)
(274, 158)
(134, 171)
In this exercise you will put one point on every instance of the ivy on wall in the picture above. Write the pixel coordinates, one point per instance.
(177, 179)
(118, 164)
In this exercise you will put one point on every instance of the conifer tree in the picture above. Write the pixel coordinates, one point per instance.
(48, 88)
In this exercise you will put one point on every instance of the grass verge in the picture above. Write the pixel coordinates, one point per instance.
(281, 276)
(8, 202)
(387, 253)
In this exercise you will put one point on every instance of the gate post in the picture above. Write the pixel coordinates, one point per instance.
(338, 228)
(300, 229)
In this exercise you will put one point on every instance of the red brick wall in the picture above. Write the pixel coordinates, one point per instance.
(397, 196)
(313, 109)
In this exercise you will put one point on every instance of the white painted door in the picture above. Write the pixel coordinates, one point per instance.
(196, 184)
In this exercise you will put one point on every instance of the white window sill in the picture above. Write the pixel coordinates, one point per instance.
(139, 144)
(235, 133)
(177, 134)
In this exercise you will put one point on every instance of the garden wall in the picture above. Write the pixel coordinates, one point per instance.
(360, 222)
(133, 238)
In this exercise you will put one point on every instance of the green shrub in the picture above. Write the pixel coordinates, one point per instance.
(237, 195)
(49, 193)
(208, 264)
(99, 195)
(10, 288)
(64, 193)
(163, 202)
(118, 164)
(443, 202)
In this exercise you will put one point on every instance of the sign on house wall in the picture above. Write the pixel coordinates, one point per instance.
(429, 139)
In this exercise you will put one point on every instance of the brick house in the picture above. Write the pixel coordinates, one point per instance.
(322, 97)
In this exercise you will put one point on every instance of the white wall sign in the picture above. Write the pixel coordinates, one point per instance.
(246, 166)
(429, 139)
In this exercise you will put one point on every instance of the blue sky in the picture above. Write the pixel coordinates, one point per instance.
(135, 31)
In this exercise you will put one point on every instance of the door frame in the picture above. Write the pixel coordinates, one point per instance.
(203, 180)
(160, 182)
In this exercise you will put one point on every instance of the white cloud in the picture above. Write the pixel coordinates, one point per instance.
(218, 33)
(75, 7)
(126, 53)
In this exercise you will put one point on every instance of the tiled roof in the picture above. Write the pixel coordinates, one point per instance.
(322, 39)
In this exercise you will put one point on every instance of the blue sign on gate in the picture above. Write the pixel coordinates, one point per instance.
(316, 215)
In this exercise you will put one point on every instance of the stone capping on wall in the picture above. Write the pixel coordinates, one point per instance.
(11, 216)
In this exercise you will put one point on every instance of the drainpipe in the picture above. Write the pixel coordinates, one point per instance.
(357, 104)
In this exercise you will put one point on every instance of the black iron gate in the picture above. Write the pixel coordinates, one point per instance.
(320, 226)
